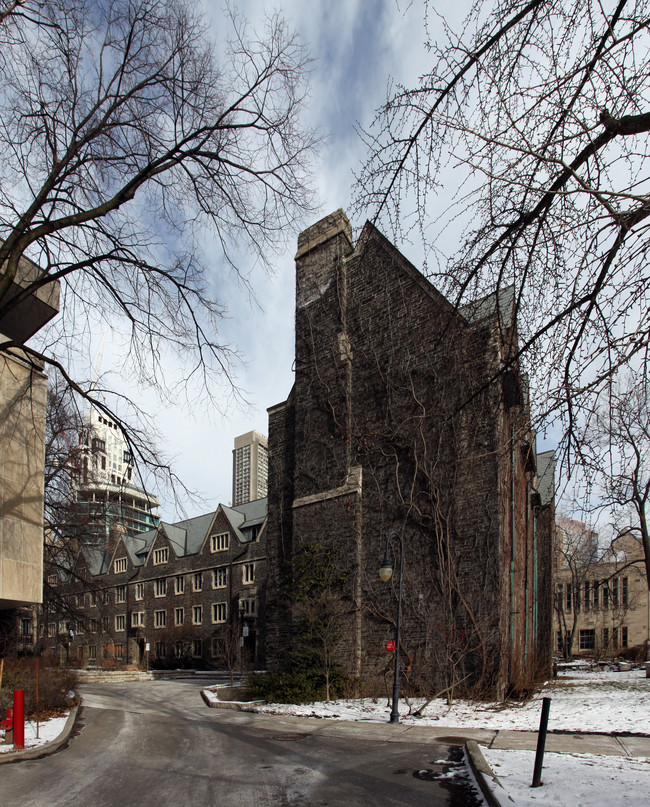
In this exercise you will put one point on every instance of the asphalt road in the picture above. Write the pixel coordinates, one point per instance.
(156, 743)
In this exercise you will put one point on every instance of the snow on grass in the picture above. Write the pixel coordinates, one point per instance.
(47, 731)
(580, 701)
(575, 780)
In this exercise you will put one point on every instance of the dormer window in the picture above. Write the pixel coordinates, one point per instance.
(220, 542)
(160, 556)
(120, 565)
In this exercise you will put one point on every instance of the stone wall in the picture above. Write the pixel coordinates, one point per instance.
(398, 421)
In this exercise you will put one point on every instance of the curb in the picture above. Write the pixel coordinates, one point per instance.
(212, 700)
(46, 749)
(491, 788)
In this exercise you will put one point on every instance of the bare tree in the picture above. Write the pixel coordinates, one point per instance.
(616, 447)
(538, 114)
(126, 146)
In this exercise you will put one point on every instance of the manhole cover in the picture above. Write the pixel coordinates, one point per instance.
(289, 737)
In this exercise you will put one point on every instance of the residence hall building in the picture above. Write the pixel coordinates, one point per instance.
(406, 414)
(23, 397)
(190, 592)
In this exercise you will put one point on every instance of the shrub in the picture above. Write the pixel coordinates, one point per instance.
(53, 686)
(304, 686)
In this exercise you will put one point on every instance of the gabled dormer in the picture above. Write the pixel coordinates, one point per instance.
(161, 551)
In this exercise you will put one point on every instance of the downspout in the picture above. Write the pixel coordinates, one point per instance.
(128, 621)
(512, 543)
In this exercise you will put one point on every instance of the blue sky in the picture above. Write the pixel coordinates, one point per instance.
(355, 47)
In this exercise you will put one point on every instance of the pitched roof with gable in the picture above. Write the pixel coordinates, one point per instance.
(499, 302)
(245, 516)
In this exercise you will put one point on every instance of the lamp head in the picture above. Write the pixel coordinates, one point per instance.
(386, 571)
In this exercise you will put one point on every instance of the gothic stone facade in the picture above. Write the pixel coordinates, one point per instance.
(191, 591)
(406, 414)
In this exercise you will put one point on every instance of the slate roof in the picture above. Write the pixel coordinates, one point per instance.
(186, 537)
(546, 476)
(485, 307)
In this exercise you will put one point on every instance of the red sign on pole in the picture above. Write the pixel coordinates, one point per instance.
(390, 645)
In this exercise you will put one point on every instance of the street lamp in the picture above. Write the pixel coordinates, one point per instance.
(385, 573)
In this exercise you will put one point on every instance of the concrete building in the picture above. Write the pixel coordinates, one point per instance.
(602, 603)
(410, 415)
(107, 492)
(23, 395)
(250, 468)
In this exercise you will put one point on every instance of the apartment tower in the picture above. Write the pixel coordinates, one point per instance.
(249, 468)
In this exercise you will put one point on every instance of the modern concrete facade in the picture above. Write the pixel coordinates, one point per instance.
(23, 394)
(250, 468)
(407, 414)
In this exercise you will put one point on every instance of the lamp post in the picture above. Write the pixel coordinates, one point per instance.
(386, 572)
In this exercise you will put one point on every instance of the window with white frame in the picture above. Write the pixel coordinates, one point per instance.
(587, 639)
(197, 614)
(220, 577)
(120, 593)
(220, 542)
(120, 622)
(160, 619)
(137, 619)
(197, 581)
(249, 573)
(92, 652)
(219, 612)
(197, 647)
(51, 630)
(119, 651)
(179, 584)
(160, 587)
(119, 565)
(179, 616)
(160, 556)
(52, 579)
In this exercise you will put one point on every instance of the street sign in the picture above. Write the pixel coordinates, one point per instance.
(390, 645)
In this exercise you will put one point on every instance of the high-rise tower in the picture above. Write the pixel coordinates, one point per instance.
(250, 468)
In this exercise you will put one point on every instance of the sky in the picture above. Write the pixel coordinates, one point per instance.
(356, 46)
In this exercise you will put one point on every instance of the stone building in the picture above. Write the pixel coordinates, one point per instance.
(406, 414)
(602, 602)
(184, 594)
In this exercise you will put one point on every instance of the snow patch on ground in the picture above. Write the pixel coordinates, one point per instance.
(47, 731)
(580, 701)
(575, 780)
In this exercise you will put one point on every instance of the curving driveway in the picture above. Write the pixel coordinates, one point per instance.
(156, 743)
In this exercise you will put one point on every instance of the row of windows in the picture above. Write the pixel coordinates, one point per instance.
(594, 594)
(218, 543)
(587, 639)
(219, 579)
(219, 613)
